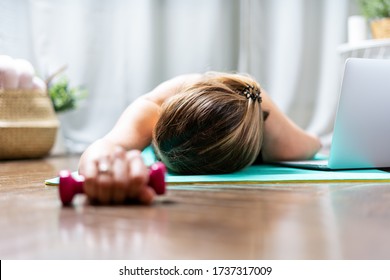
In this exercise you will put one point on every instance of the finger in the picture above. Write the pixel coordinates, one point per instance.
(104, 180)
(120, 167)
(90, 173)
(25, 73)
(138, 173)
(146, 195)
(8, 73)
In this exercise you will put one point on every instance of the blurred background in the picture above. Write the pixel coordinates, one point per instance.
(121, 49)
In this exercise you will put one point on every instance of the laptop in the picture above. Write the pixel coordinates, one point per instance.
(361, 134)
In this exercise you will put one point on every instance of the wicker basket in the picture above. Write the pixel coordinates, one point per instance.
(380, 28)
(28, 124)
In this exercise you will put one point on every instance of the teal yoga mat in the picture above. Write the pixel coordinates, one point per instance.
(266, 173)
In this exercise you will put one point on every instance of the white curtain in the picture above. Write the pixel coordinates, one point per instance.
(121, 49)
(15, 31)
(291, 47)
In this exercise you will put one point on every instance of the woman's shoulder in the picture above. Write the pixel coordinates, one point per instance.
(171, 87)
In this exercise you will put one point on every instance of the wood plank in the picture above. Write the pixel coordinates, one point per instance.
(280, 221)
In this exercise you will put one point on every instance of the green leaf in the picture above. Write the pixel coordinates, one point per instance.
(373, 9)
(63, 97)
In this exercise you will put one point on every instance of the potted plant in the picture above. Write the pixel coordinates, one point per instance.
(377, 13)
(63, 97)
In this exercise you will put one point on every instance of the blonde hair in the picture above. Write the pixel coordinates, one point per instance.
(210, 127)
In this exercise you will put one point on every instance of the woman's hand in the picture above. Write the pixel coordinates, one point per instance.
(115, 176)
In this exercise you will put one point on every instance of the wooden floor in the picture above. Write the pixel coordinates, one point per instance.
(302, 221)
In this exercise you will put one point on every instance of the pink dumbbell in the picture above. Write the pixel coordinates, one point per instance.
(70, 186)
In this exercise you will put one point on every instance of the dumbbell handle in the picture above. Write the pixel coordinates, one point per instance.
(70, 186)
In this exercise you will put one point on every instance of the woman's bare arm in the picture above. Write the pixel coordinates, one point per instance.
(120, 149)
(283, 139)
